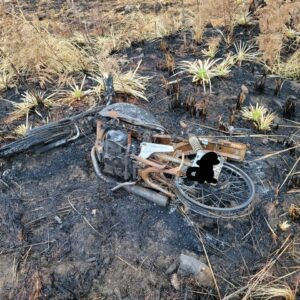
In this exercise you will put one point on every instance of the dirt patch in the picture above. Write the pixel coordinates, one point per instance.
(65, 235)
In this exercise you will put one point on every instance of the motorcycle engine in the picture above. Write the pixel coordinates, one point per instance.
(116, 160)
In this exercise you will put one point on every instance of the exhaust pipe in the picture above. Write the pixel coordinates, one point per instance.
(147, 194)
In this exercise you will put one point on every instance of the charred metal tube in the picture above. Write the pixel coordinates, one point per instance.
(96, 166)
(147, 194)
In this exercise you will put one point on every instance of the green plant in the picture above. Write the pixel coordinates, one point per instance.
(265, 121)
(202, 71)
(253, 113)
(76, 93)
(244, 52)
(223, 69)
(259, 115)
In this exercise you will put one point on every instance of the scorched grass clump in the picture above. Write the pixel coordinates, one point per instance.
(30, 102)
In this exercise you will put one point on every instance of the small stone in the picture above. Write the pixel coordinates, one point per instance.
(191, 267)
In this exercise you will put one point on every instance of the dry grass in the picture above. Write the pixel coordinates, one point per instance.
(212, 47)
(274, 291)
(130, 83)
(29, 50)
(263, 285)
(272, 22)
(30, 101)
(289, 68)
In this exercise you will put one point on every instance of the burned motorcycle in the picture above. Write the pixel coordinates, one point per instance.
(132, 147)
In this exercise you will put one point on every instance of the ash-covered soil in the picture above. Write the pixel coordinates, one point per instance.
(65, 235)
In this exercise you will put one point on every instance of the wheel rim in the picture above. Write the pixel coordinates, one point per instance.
(232, 195)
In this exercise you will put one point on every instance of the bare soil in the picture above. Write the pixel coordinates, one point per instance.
(65, 235)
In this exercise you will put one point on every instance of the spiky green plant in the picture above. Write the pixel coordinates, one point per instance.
(265, 121)
(223, 69)
(253, 113)
(245, 52)
(76, 92)
(201, 70)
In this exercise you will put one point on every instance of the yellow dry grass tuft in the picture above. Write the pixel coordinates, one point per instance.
(21, 130)
(289, 68)
(274, 291)
(30, 100)
(130, 83)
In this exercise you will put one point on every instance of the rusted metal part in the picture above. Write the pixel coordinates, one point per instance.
(145, 175)
(162, 139)
(99, 136)
(230, 150)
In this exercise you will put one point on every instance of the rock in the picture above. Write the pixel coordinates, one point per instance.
(189, 266)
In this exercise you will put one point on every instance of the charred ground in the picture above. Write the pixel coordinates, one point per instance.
(65, 235)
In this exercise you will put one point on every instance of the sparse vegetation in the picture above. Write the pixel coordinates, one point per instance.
(259, 115)
(31, 101)
(274, 291)
(212, 47)
(289, 68)
(53, 58)
(130, 83)
(245, 52)
(265, 121)
(76, 92)
(21, 130)
(253, 113)
(202, 71)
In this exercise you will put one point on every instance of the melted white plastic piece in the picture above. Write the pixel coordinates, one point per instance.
(147, 149)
